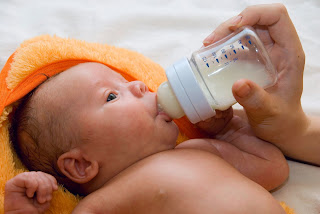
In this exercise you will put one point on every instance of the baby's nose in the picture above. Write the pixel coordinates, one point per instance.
(138, 88)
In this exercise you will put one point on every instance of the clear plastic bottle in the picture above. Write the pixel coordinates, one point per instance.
(198, 86)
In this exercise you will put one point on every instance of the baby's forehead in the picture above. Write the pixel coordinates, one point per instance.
(79, 79)
(93, 70)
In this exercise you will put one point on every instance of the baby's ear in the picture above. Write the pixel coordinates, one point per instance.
(77, 167)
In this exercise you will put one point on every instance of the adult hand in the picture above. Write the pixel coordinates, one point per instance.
(276, 113)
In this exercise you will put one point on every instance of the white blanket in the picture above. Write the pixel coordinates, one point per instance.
(166, 30)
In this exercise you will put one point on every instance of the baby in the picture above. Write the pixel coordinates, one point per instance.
(104, 137)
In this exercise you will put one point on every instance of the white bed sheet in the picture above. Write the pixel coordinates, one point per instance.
(166, 30)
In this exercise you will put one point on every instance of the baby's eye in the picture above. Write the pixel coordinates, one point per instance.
(111, 96)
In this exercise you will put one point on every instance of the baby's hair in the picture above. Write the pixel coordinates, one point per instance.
(39, 137)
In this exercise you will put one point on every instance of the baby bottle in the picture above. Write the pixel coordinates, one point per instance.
(203, 83)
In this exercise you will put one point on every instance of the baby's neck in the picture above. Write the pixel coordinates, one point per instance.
(104, 175)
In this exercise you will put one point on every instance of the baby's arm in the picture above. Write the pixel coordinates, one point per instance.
(29, 192)
(258, 160)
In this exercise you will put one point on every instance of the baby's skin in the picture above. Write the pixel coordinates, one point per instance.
(130, 162)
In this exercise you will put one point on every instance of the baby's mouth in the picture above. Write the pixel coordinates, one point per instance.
(163, 114)
(166, 117)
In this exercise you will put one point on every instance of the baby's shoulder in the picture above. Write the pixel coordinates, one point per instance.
(157, 181)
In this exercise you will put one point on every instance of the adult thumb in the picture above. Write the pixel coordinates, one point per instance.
(254, 99)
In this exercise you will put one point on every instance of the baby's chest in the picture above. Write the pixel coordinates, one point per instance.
(176, 182)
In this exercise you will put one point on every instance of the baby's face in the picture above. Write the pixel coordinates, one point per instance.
(119, 120)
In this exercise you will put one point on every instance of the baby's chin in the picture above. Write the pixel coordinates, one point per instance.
(176, 129)
(172, 135)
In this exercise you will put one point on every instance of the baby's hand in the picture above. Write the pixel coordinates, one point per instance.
(215, 124)
(29, 192)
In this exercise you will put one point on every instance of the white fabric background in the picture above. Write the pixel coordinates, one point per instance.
(166, 30)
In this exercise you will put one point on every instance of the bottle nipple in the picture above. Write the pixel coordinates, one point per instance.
(168, 102)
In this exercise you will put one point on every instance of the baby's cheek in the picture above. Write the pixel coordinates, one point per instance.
(139, 125)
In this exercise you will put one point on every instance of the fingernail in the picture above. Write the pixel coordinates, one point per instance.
(209, 39)
(236, 20)
(242, 90)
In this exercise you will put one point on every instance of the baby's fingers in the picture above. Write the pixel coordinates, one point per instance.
(53, 182)
(45, 189)
(31, 183)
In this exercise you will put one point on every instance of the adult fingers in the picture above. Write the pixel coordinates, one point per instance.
(221, 31)
(276, 18)
(254, 99)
